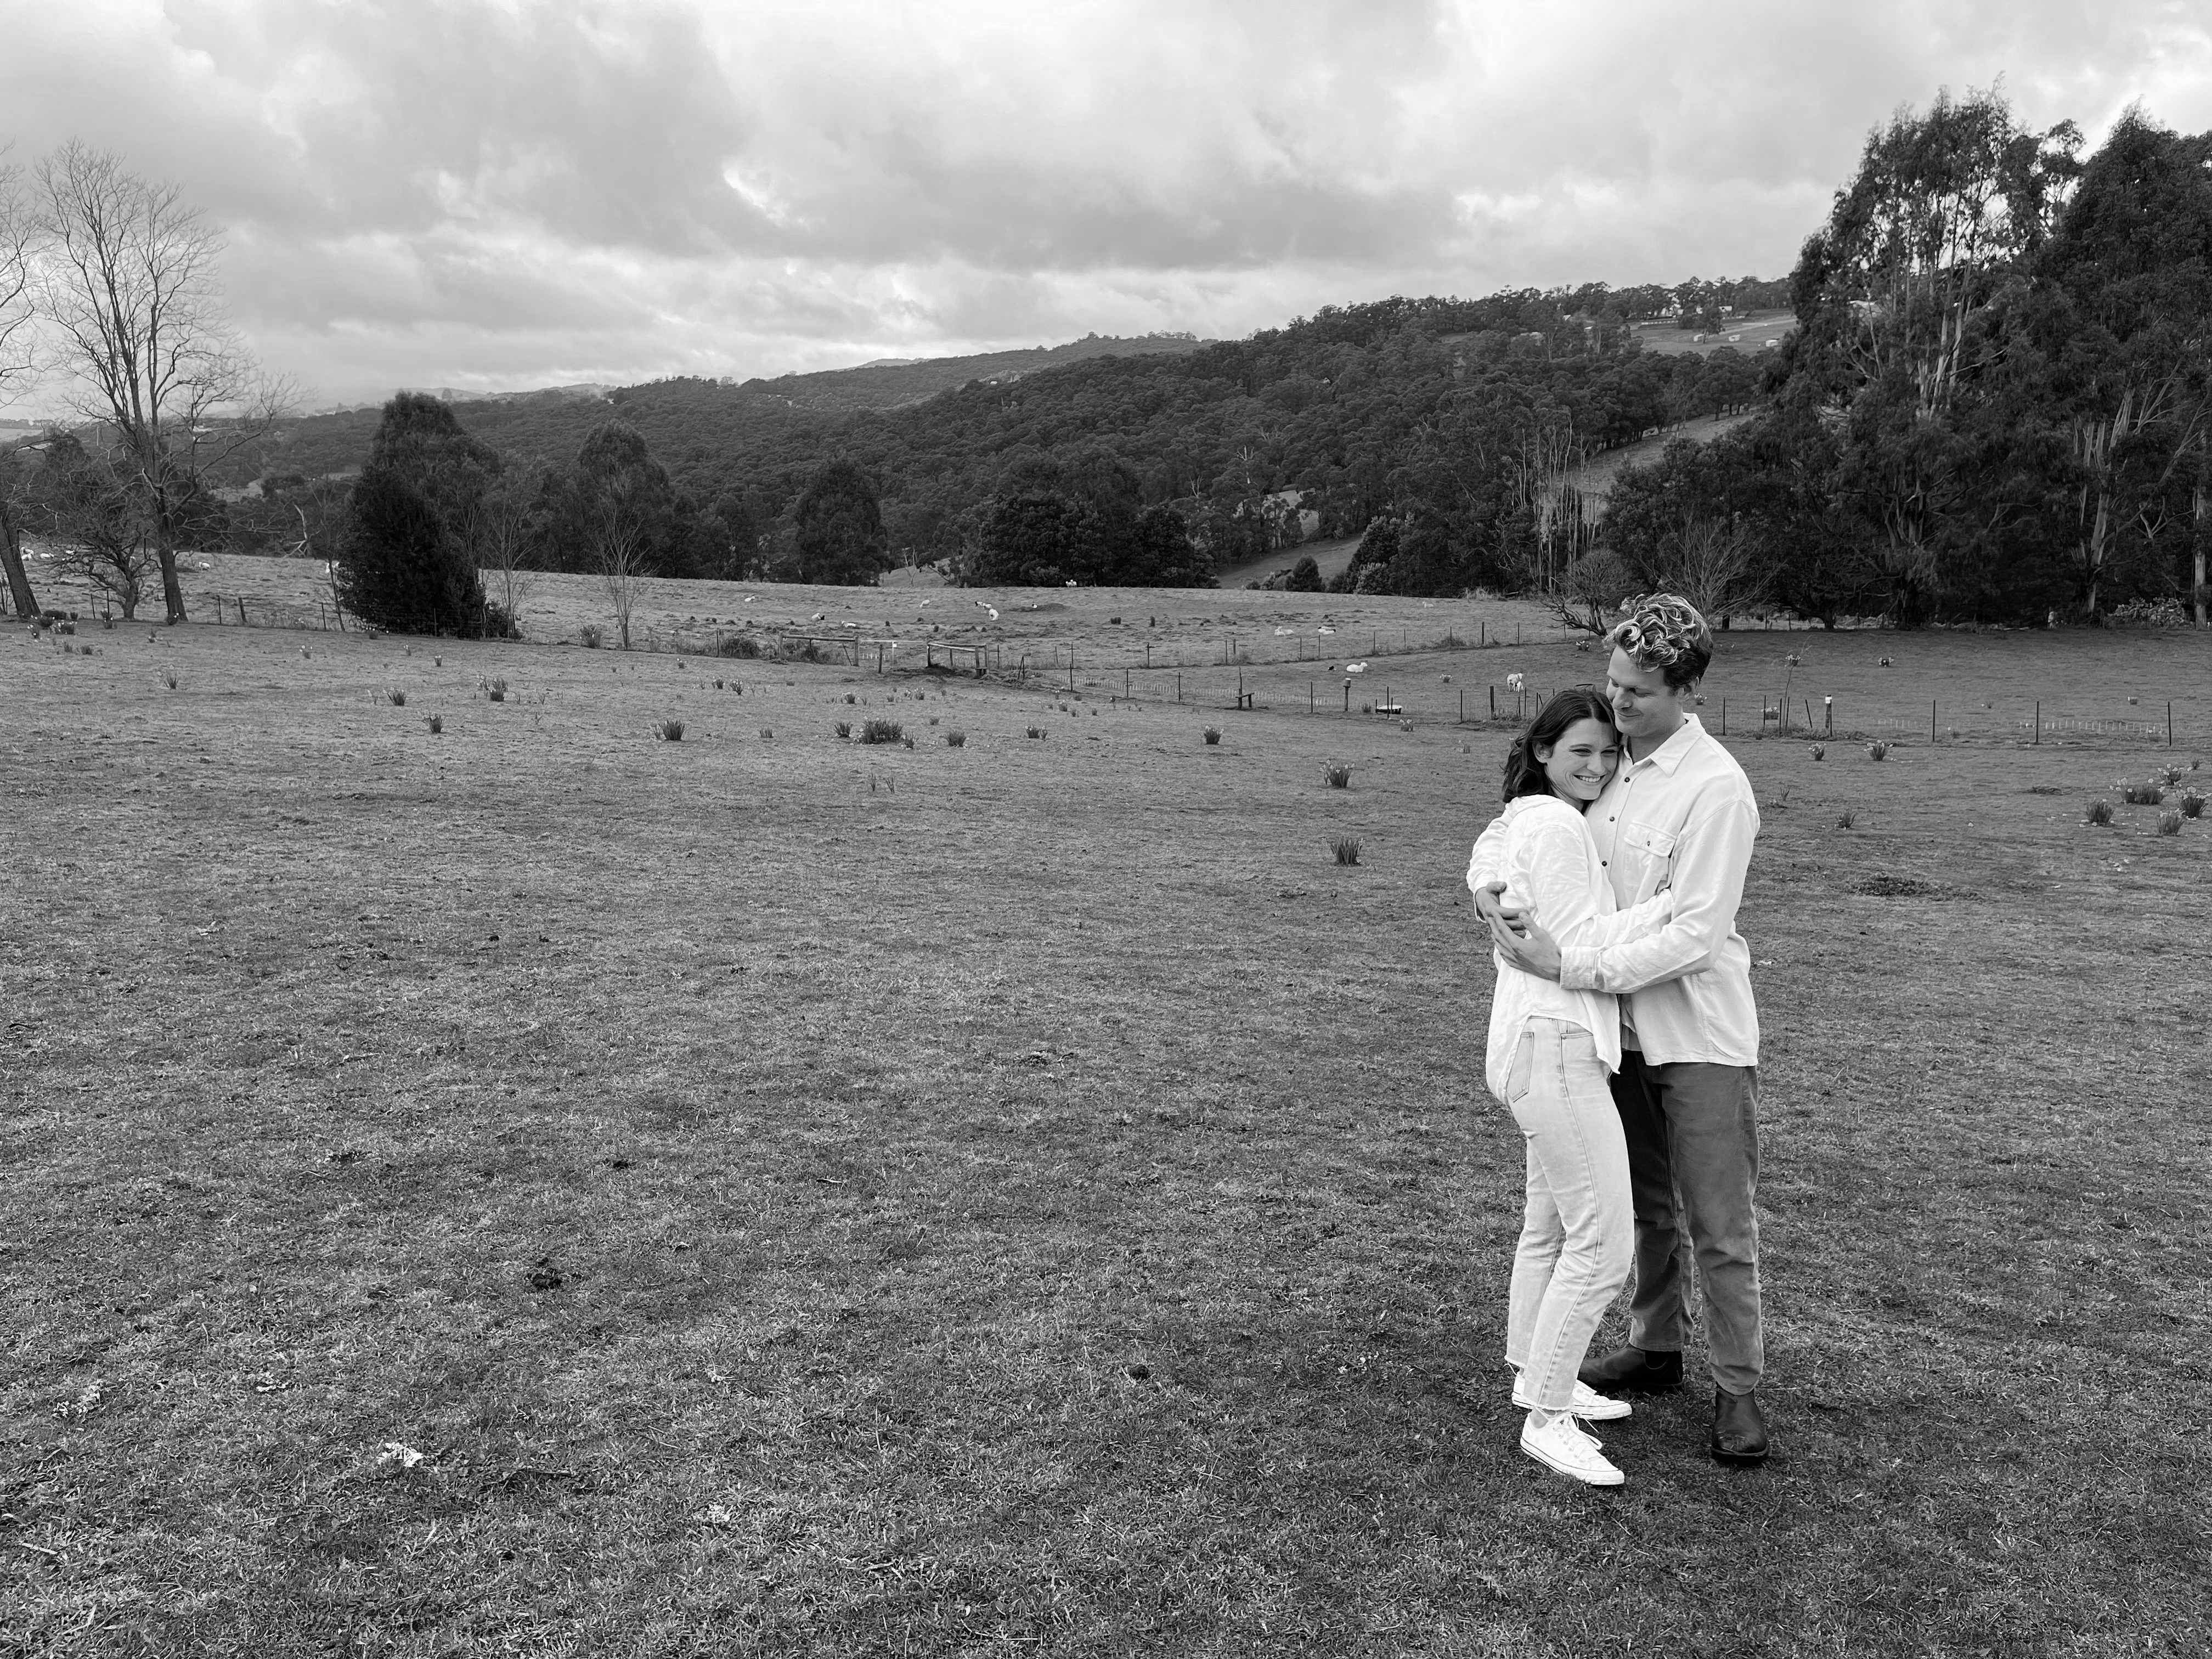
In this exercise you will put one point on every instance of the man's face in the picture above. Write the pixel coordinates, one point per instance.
(1644, 705)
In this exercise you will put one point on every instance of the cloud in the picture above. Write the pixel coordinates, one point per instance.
(507, 191)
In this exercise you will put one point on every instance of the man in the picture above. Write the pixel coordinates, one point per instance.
(1678, 813)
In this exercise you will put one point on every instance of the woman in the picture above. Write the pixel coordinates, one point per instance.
(1550, 1052)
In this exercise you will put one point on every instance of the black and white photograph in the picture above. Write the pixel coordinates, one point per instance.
(1116, 829)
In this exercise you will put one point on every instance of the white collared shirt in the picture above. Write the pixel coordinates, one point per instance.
(1682, 819)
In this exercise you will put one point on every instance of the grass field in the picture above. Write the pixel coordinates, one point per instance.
(1748, 334)
(538, 1188)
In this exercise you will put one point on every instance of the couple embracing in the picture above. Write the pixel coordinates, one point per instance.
(1623, 1041)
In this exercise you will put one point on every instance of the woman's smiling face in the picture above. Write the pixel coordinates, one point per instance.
(1578, 766)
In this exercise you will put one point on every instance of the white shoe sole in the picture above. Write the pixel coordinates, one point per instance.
(1606, 1476)
(1605, 1410)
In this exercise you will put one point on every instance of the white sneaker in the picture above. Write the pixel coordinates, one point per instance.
(1560, 1445)
(1587, 1402)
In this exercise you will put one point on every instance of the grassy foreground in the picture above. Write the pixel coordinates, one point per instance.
(539, 1190)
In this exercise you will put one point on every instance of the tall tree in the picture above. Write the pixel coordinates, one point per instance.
(1898, 305)
(126, 280)
(840, 528)
(2122, 321)
(405, 564)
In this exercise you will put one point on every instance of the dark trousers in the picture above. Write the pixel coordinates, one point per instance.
(1692, 1134)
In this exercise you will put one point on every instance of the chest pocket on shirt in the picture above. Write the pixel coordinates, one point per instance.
(1653, 851)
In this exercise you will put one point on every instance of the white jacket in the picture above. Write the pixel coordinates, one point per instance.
(1541, 848)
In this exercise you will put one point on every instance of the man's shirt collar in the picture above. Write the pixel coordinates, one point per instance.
(1669, 754)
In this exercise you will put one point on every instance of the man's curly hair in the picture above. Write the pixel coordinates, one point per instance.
(1664, 631)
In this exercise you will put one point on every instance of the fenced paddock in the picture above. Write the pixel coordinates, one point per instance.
(1030, 1194)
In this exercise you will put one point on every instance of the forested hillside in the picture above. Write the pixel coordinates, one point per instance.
(1462, 415)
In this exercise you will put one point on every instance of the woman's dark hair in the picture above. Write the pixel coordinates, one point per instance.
(1524, 773)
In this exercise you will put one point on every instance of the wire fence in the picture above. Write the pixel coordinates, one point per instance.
(1241, 669)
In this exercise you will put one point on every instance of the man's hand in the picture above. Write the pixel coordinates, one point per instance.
(1487, 906)
(1533, 950)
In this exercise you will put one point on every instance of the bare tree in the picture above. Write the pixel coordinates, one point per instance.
(498, 536)
(1713, 565)
(102, 534)
(621, 543)
(17, 235)
(1588, 594)
(126, 280)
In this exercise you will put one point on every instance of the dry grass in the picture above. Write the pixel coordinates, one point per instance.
(1033, 1206)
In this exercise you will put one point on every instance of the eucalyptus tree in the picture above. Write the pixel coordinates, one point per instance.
(2121, 327)
(1901, 301)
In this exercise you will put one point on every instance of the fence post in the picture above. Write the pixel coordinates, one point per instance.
(1462, 705)
(2038, 739)
(1309, 691)
(2169, 723)
(1125, 683)
(1493, 703)
(1348, 696)
(1931, 719)
(240, 597)
(1178, 685)
(1724, 717)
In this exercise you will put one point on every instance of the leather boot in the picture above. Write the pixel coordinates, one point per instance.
(1739, 1428)
(1632, 1370)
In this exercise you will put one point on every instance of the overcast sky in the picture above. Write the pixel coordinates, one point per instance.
(493, 194)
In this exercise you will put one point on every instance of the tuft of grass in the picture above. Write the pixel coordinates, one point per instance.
(1820, 751)
(1847, 817)
(955, 738)
(2148, 793)
(495, 691)
(2171, 774)
(843, 728)
(395, 696)
(1211, 734)
(849, 697)
(670, 731)
(2100, 811)
(437, 724)
(1877, 751)
(1037, 731)
(880, 730)
(741, 645)
(1346, 847)
(2169, 822)
(591, 634)
(1338, 775)
(2192, 804)
(767, 736)
(169, 680)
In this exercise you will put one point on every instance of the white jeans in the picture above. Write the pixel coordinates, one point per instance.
(1578, 1228)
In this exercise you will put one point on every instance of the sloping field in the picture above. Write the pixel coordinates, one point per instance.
(1751, 335)
(1595, 476)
